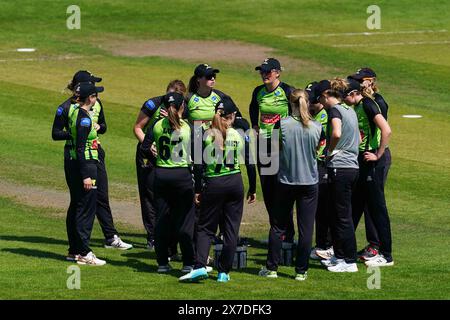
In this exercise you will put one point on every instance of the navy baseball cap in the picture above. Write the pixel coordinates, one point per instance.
(311, 90)
(84, 76)
(85, 89)
(173, 98)
(322, 86)
(227, 106)
(205, 70)
(353, 85)
(363, 73)
(269, 64)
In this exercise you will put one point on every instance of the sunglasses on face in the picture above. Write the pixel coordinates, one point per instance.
(210, 77)
(267, 72)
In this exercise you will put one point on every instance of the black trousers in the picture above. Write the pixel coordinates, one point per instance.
(305, 198)
(371, 232)
(103, 212)
(73, 179)
(341, 184)
(323, 231)
(175, 212)
(221, 200)
(145, 176)
(269, 183)
(370, 194)
(85, 213)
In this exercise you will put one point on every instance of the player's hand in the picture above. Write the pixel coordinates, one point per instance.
(163, 112)
(369, 156)
(251, 197)
(87, 183)
(153, 150)
(96, 126)
(256, 128)
(197, 199)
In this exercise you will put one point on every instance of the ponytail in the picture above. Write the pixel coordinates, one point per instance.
(193, 84)
(219, 130)
(299, 101)
(174, 118)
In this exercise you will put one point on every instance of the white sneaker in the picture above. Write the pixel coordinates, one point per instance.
(91, 260)
(379, 261)
(117, 243)
(331, 262)
(164, 269)
(313, 255)
(343, 266)
(208, 269)
(325, 254)
(187, 269)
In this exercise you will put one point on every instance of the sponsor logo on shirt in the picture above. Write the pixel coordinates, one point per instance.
(59, 111)
(85, 122)
(267, 118)
(150, 105)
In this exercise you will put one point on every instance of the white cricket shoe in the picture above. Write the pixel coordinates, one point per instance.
(331, 262)
(313, 255)
(325, 254)
(379, 261)
(343, 266)
(117, 243)
(91, 260)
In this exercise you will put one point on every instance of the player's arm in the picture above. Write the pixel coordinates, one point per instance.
(148, 109)
(336, 129)
(254, 110)
(101, 120)
(59, 123)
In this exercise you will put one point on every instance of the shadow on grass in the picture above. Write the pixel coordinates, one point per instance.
(34, 253)
(34, 239)
(132, 263)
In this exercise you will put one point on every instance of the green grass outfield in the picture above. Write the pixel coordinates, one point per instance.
(414, 77)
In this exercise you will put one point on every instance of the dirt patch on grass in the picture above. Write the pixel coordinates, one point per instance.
(191, 50)
(236, 52)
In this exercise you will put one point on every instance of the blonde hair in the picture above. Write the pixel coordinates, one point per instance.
(338, 87)
(299, 101)
(219, 127)
(174, 118)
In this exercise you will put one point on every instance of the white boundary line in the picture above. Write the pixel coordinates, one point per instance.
(41, 59)
(349, 34)
(390, 44)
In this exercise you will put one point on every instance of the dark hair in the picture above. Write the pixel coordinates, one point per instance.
(81, 100)
(193, 84)
(177, 85)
